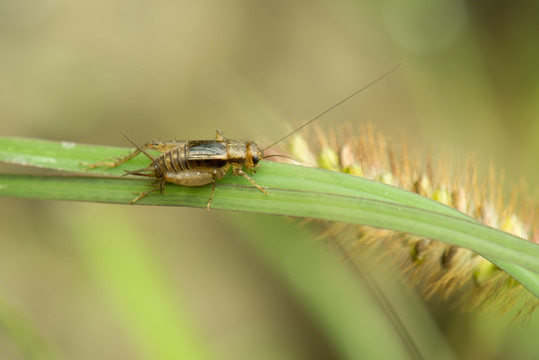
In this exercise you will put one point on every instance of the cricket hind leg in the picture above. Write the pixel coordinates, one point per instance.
(117, 161)
(114, 162)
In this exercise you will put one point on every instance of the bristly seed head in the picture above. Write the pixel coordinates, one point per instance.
(433, 267)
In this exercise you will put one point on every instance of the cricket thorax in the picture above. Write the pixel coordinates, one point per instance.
(236, 152)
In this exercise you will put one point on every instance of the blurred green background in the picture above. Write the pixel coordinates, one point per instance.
(93, 281)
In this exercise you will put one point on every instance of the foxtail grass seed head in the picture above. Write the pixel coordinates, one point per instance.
(348, 162)
(328, 159)
(435, 268)
(299, 149)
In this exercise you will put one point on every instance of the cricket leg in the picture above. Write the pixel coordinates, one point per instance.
(219, 135)
(239, 171)
(213, 184)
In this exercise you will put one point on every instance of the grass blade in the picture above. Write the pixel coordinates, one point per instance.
(293, 191)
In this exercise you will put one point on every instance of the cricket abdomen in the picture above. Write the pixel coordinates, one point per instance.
(200, 155)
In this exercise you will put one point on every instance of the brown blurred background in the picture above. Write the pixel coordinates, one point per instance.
(82, 71)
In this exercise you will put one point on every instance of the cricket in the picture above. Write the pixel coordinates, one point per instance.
(202, 162)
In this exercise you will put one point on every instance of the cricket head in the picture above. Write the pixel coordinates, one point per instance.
(254, 155)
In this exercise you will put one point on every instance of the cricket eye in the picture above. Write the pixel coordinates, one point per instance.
(256, 159)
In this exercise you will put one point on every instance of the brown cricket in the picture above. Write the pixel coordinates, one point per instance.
(193, 162)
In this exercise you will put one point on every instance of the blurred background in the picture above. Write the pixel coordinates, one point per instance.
(93, 281)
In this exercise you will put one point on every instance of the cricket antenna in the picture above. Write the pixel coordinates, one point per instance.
(334, 106)
(138, 147)
(282, 156)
